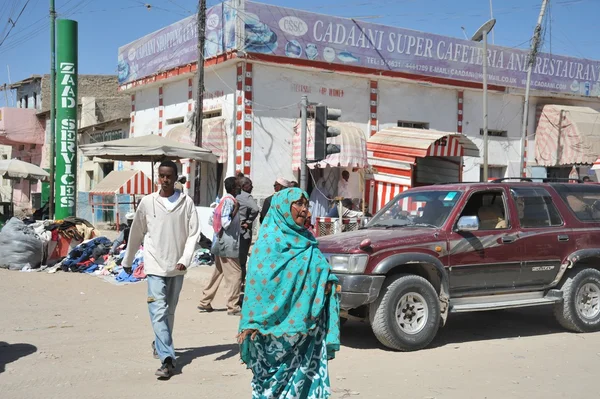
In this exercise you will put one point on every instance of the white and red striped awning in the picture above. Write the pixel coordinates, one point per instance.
(352, 142)
(132, 182)
(214, 136)
(567, 135)
(406, 144)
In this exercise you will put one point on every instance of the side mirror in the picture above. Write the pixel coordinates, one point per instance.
(468, 223)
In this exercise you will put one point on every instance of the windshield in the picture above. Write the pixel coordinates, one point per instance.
(417, 209)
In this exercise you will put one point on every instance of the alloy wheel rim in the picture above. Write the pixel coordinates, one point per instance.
(412, 313)
(588, 301)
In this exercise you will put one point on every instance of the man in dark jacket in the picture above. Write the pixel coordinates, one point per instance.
(279, 185)
(248, 211)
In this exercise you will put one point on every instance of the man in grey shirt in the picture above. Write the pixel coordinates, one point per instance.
(248, 211)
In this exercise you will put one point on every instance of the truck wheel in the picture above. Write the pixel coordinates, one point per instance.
(406, 316)
(580, 309)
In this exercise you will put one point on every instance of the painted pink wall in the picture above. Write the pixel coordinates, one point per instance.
(20, 125)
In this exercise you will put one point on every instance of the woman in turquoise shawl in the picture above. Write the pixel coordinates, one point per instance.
(290, 316)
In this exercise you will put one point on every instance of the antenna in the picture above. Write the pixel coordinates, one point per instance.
(464, 31)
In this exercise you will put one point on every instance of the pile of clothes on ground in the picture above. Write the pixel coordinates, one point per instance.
(96, 257)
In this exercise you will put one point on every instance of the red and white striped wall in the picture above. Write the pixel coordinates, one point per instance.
(132, 121)
(244, 118)
(161, 110)
(190, 94)
(132, 115)
(248, 118)
(373, 102)
(239, 118)
(460, 113)
(524, 171)
(187, 171)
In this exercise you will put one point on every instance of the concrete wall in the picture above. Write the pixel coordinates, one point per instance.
(30, 95)
(277, 94)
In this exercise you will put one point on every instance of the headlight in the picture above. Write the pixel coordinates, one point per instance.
(348, 263)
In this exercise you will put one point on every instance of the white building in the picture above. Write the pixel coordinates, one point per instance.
(261, 59)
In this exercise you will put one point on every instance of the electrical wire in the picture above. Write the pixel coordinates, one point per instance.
(14, 23)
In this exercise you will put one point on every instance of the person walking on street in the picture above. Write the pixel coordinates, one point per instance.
(227, 227)
(290, 325)
(279, 185)
(248, 212)
(168, 224)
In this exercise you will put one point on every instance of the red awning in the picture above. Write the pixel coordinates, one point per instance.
(132, 182)
(405, 144)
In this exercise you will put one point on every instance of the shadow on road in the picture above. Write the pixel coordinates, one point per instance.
(186, 356)
(11, 352)
(469, 327)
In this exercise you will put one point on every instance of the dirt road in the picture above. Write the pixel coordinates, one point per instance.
(75, 336)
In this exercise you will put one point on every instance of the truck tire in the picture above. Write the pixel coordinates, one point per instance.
(580, 309)
(406, 316)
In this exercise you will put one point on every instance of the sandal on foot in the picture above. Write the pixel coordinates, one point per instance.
(206, 309)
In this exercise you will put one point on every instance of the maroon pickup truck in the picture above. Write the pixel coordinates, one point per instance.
(469, 247)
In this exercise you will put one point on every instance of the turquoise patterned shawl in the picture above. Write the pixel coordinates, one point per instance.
(286, 278)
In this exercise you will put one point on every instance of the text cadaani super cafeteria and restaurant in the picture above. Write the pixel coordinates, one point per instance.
(411, 101)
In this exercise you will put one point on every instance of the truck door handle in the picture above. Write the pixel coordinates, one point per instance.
(508, 239)
(563, 237)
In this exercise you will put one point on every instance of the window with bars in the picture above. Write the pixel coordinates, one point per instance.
(494, 133)
(413, 125)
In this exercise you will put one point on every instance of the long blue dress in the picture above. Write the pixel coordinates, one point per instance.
(287, 304)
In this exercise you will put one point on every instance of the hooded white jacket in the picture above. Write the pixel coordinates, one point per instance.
(170, 236)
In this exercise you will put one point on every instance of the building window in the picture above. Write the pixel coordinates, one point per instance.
(212, 114)
(413, 125)
(174, 121)
(494, 133)
(494, 172)
(22, 147)
(34, 100)
(32, 146)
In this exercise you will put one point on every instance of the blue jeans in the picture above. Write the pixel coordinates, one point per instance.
(163, 295)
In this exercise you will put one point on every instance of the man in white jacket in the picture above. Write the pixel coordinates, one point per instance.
(168, 224)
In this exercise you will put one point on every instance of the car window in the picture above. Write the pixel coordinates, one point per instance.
(489, 208)
(417, 208)
(582, 199)
(535, 207)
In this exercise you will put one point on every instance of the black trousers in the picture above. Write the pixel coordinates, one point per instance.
(244, 248)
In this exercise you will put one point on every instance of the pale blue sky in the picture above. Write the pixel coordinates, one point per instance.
(104, 25)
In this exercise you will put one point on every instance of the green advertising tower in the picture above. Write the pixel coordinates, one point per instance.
(65, 177)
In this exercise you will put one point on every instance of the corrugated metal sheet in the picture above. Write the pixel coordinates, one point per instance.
(567, 135)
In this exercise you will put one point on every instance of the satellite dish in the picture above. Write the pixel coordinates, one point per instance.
(487, 27)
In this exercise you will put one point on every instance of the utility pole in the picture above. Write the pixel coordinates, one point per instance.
(535, 42)
(52, 150)
(201, 18)
(303, 129)
(482, 35)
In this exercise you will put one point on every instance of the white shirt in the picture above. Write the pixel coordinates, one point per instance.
(343, 189)
(170, 202)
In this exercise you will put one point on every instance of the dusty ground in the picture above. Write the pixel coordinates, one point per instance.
(76, 336)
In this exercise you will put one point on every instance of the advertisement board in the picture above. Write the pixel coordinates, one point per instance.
(299, 34)
(177, 44)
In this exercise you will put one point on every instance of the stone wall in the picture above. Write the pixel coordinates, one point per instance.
(98, 86)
